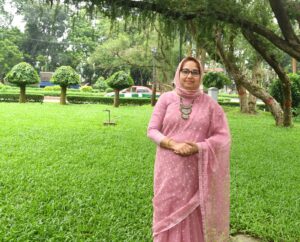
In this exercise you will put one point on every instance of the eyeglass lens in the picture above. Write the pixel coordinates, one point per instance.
(186, 72)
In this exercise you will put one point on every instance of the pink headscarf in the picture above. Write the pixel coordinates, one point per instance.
(179, 89)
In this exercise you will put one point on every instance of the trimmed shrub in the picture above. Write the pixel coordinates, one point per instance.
(65, 76)
(86, 89)
(13, 97)
(52, 88)
(118, 81)
(106, 100)
(21, 75)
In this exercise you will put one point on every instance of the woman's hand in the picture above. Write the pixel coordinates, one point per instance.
(186, 148)
(180, 148)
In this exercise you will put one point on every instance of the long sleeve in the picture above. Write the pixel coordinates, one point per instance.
(155, 124)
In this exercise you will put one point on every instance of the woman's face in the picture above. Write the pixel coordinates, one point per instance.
(189, 76)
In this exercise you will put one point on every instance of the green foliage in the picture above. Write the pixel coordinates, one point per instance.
(3, 87)
(65, 76)
(215, 79)
(119, 80)
(86, 89)
(13, 97)
(52, 88)
(44, 26)
(22, 74)
(277, 92)
(106, 100)
(109, 89)
(100, 84)
(10, 55)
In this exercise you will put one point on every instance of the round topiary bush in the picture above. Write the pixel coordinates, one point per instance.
(118, 81)
(21, 75)
(65, 76)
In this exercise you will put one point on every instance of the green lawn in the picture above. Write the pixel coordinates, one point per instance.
(66, 177)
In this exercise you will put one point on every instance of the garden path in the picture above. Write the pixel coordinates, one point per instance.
(51, 99)
(243, 238)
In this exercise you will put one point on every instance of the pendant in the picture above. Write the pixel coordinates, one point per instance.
(185, 116)
(185, 110)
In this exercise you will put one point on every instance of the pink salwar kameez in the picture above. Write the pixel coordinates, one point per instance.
(191, 194)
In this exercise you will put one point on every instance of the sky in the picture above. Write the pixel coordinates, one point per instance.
(17, 19)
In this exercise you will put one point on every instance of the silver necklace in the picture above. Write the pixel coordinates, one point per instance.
(185, 109)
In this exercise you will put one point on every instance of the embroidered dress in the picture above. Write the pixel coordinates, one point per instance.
(191, 194)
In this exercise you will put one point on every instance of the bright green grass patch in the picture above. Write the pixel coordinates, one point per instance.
(66, 177)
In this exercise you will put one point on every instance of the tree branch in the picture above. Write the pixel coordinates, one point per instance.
(292, 48)
(253, 88)
(283, 21)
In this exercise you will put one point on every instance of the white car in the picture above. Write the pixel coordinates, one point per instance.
(133, 91)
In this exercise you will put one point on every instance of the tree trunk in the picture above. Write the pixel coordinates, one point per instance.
(256, 76)
(63, 94)
(287, 100)
(266, 53)
(153, 96)
(243, 97)
(254, 89)
(294, 65)
(117, 98)
(22, 98)
(201, 55)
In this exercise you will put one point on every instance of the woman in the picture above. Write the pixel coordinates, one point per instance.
(191, 174)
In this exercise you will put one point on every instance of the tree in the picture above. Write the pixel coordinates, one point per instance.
(100, 84)
(119, 81)
(21, 75)
(65, 76)
(131, 50)
(5, 17)
(45, 32)
(215, 79)
(85, 33)
(253, 18)
(10, 55)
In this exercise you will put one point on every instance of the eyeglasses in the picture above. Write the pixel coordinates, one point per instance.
(186, 72)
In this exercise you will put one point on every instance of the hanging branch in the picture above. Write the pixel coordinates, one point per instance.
(254, 89)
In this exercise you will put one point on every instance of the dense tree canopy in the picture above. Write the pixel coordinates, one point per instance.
(254, 19)
(253, 16)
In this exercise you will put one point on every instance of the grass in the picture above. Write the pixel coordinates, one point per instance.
(66, 177)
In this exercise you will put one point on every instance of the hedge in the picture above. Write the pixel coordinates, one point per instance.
(237, 104)
(14, 97)
(106, 100)
(136, 101)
